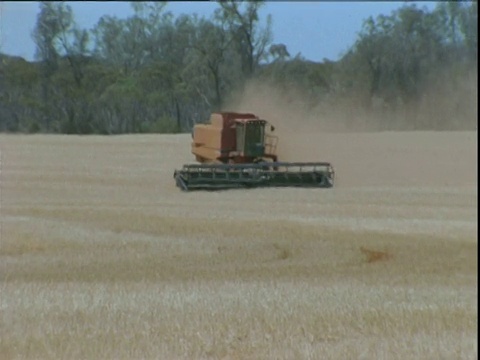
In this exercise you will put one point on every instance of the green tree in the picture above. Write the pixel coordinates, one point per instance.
(242, 22)
(59, 40)
(19, 85)
(45, 34)
(206, 66)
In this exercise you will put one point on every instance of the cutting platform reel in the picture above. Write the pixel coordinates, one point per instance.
(264, 174)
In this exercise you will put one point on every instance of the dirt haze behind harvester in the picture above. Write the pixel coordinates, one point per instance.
(443, 104)
(349, 139)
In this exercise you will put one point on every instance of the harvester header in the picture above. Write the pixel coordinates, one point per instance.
(237, 150)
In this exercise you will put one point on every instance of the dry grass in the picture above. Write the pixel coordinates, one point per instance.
(102, 257)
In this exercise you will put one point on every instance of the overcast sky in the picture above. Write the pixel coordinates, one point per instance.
(317, 29)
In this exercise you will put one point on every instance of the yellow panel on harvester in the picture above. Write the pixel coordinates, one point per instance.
(216, 120)
(208, 136)
(205, 152)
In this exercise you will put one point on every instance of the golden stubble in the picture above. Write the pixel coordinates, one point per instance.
(102, 257)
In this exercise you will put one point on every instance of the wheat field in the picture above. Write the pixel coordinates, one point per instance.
(102, 257)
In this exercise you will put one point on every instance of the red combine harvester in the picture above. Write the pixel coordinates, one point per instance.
(236, 150)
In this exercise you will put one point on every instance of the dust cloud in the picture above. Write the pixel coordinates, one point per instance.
(445, 103)
(287, 111)
(378, 147)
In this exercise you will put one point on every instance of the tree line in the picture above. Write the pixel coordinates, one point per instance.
(156, 72)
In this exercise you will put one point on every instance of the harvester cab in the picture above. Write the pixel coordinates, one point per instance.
(235, 150)
(252, 142)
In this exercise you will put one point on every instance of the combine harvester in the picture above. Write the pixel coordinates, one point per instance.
(235, 151)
